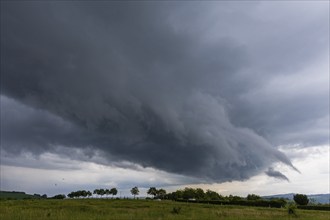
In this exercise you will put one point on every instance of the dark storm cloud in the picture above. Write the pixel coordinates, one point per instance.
(36, 130)
(141, 83)
(276, 174)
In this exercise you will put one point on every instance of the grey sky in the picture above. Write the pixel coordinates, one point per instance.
(202, 89)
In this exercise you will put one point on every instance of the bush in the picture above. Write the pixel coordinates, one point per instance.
(59, 196)
(176, 210)
(253, 197)
(315, 207)
(301, 199)
(292, 209)
(278, 203)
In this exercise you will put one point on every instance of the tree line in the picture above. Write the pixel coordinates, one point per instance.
(153, 191)
(188, 194)
(97, 192)
(107, 192)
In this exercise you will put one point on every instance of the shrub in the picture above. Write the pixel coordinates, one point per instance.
(292, 209)
(301, 199)
(59, 196)
(253, 197)
(176, 210)
(315, 207)
(278, 203)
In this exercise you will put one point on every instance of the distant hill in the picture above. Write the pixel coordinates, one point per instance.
(17, 195)
(315, 198)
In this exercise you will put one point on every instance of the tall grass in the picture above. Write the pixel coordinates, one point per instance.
(98, 209)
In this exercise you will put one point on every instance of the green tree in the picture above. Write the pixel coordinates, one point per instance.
(71, 195)
(96, 192)
(59, 196)
(152, 191)
(89, 194)
(199, 193)
(253, 197)
(113, 192)
(189, 193)
(102, 192)
(83, 193)
(301, 199)
(161, 193)
(107, 192)
(175, 195)
(178, 194)
(135, 191)
(234, 198)
(212, 195)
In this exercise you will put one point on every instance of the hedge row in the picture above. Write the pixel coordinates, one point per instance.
(314, 207)
(259, 203)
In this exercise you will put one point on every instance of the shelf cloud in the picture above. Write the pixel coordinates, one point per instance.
(171, 86)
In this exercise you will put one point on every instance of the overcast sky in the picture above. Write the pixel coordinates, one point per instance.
(232, 96)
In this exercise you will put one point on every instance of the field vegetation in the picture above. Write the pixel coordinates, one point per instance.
(143, 209)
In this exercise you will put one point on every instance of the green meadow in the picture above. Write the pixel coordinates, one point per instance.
(15, 195)
(96, 209)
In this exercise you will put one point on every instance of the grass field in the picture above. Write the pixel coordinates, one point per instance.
(15, 195)
(141, 209)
